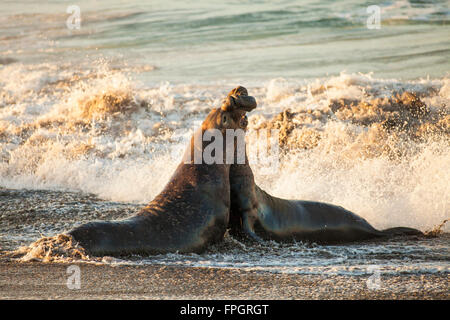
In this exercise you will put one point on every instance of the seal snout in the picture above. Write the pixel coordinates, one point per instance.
(238, 98)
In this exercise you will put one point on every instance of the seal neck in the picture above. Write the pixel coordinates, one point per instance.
(215, 147)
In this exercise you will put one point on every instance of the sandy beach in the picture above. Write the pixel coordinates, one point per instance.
(49, 281)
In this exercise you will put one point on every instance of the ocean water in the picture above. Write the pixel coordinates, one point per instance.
(93, 120)
(206, 41)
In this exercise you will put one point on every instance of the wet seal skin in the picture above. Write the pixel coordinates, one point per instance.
(202, 200)
(257, 215)
(191, 212)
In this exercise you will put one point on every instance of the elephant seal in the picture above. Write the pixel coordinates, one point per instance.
(258, 215)
(191, 212)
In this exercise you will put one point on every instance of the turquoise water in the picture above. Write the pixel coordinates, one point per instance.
(209, 40)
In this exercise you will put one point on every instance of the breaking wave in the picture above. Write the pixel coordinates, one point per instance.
(377, 147)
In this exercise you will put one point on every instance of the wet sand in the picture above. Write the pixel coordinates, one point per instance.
(35, 280)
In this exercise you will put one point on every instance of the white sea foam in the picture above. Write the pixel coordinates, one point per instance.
(101, 132)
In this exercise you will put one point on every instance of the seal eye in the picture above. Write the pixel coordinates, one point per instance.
(243, 122)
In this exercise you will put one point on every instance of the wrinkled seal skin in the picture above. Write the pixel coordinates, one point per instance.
(191, 212)
(258, 215)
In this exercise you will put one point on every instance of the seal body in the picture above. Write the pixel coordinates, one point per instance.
(192, 211)
(261, 216)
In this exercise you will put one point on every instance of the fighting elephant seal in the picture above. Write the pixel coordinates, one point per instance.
(193, 209)
(258, 215)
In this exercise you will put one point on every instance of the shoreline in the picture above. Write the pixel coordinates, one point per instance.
(36, 280)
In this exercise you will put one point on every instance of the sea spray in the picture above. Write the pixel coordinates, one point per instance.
(377, 147)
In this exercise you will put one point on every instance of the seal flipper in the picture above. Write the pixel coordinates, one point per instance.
(241, 226)
(249, 230)
(402, 231)
(111, 237)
